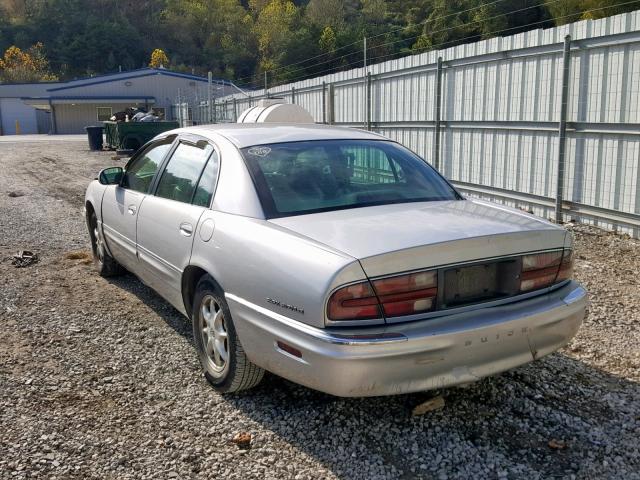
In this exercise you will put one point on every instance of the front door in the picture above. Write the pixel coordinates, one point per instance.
(168, 219)
(121, 203)
(119, 208)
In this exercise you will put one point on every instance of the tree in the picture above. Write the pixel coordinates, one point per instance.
(240, 39)
(215, 35)
(18, 66)
(569, 11)
(327, 40)
(374, 11)
(158, 59)
(272, 29)
(326, 13)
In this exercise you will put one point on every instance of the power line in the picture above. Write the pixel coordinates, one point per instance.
(478, 21)
(410, 38)
(457, 41)
(515, 28)
(424, 22)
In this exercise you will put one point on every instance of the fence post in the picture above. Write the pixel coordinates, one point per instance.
(562, 127)
(179, 110)
(209, 87)
(368, 100)
(293, 94)
(235, 110)
(438, 115)
(324, 102)
(331, 116)
(215, 112)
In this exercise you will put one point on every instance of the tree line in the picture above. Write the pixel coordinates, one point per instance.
(242, 39)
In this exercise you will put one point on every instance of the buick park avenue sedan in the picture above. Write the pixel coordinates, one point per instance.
(333, 257)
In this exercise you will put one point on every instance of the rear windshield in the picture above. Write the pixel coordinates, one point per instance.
(307, 177)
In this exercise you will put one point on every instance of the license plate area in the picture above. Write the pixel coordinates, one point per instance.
(465, 285)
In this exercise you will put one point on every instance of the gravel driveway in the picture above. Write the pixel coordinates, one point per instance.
(99, 378)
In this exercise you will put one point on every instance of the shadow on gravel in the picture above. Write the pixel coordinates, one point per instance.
(155, 302)
(500, 427)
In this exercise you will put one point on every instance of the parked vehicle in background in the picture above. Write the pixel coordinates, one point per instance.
(333, 257)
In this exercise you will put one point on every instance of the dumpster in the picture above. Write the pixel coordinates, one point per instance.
(95, 137)
(132, 135)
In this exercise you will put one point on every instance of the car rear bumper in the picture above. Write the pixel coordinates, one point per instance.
(415, 356)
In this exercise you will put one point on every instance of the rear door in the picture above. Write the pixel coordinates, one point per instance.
(168, 219)
(121, 203)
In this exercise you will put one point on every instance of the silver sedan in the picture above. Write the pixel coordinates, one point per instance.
(333, 257)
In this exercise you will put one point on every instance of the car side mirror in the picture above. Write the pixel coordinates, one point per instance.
(110, 176)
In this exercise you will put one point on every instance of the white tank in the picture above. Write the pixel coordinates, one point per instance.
(274, 110)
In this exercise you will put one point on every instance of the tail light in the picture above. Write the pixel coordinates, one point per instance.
(407, 294)
(395, 296)
(542, 270)
(416, 293)
(355, 302)
(566, 267)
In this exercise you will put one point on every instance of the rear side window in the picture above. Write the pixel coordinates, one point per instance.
(306, 177)
(207, 183)
(139, 174)
(181, 175)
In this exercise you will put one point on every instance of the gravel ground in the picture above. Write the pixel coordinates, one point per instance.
(99, 379)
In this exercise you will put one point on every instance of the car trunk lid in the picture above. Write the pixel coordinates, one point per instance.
(395, 238)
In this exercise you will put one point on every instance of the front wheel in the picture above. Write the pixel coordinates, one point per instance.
(105, 264)
(225, 363)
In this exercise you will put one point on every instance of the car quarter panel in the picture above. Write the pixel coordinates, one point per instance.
(270, 266)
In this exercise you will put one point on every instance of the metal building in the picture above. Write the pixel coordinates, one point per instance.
(67, 107)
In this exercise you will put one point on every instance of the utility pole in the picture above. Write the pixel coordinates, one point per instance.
(364, 53)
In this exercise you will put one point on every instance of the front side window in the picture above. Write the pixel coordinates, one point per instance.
(140, 172)
(181, 176)
(306, 177)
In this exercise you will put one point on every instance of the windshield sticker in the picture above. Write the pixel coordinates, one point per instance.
(259, 151)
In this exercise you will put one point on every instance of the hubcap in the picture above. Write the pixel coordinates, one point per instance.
(99, 244)
(213, 333)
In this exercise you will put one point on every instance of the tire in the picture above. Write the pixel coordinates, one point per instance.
(215, 338)
(105, 264)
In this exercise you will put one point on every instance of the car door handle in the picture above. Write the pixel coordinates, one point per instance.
(186, 229)
(132, 209)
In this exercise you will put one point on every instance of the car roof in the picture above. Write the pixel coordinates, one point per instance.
(249, 134)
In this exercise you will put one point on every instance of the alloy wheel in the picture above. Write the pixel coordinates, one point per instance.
(213, 333)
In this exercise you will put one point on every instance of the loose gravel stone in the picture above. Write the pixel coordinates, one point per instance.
(99, 378)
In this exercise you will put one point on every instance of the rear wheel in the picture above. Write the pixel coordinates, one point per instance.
(105, 264)
(225, 364)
